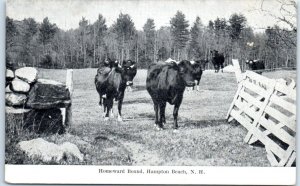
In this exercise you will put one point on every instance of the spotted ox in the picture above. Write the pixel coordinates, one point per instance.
(111, 84)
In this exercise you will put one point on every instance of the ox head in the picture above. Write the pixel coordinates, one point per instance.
(129, 71)
(249, 62)
(202, 63)
(197, 70)
(186, 71)
(110, 63)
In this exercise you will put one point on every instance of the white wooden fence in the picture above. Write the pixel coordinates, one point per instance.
(267, 109)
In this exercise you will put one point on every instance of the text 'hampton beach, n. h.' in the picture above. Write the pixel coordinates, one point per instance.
(151, 171)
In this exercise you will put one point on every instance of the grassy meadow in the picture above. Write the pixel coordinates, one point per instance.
(205, 138)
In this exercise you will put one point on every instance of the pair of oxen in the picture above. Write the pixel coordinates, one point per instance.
(166, 82)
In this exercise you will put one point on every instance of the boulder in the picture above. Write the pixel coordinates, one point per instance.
(15, 99)
(7, 89)
(19, 86)
(46, 94)
(46, 121)
(9, 74)
(28, 74)
(46, 151)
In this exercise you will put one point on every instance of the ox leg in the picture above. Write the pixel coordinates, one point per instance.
(162, 113)
(175, 115)
(109, 104)
(100, 101)
(104, 107)
(222, 66)
(156, 113)
(198, 85)
(120, 102)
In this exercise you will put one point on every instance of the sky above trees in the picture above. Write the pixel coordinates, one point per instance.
(67, 13)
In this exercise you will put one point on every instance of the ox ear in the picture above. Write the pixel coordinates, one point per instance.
(133, 65)
(119, 68)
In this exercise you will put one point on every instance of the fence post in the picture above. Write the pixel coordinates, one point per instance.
(237, 69)
(69, 85)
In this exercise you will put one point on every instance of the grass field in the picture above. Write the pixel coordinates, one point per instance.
(205, 138)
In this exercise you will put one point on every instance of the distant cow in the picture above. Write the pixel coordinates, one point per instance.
(256, 65)
(166, 82)
(217, 60)
(112, 83)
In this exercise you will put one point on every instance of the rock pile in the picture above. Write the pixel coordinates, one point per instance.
(36, 101)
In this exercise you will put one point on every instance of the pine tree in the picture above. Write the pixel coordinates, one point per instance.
(125, 30)
(47, 32)
(194, 47)
(99, 32)
(179, 31)
(149, 29)
(237, 24)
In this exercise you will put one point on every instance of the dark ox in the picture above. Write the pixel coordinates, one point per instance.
(166, 82)
(217, 60)
(256, 65)
(111, 84)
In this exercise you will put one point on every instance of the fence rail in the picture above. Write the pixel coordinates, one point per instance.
(267, 109)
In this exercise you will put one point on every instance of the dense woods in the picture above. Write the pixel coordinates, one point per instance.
(29, 43)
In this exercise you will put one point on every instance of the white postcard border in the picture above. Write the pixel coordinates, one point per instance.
(81, 174)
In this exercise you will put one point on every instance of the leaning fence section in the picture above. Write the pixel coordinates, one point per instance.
(267, 109)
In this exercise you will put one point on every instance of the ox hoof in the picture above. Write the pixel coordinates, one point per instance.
(106, 118)
(175, 131)
(103, 115)
(120, 119)
(159, 128)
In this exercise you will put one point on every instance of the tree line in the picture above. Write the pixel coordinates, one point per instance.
(29, 43)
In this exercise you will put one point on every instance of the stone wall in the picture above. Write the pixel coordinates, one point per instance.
(33, 103)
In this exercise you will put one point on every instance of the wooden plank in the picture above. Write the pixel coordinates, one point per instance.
(237, 69)
(251, 99)
(283, 103)
(262, 108)
(274, 147)
(255, 88)
(240, 87)
(243, 121)
(278, 132)
(291, 160)
(291, 93)
(69, 84)
(289, 122)
(245, 108)
(271, 157)
(259, 79)
(284, 160)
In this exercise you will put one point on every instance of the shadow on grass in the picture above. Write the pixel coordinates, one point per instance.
(204, 123)
(137, 101)
(139, 87)
(123, 136)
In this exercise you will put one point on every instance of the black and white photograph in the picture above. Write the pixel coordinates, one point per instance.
(169, 88)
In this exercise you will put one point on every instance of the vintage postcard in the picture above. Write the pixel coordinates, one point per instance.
(151, 92)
